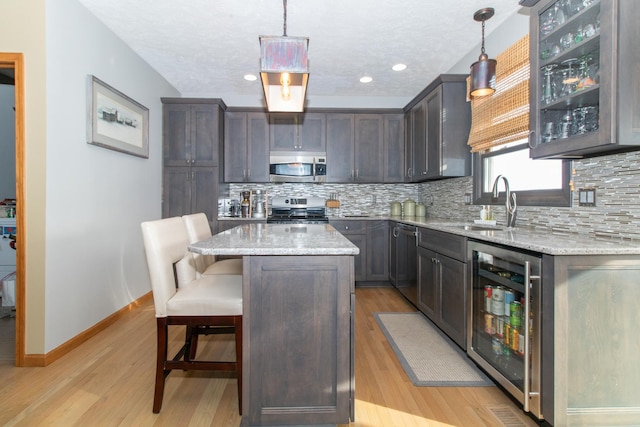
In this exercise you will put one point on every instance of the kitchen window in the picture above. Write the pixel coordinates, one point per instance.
(536, 182)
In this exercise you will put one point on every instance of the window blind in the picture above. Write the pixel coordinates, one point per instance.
(504, 116)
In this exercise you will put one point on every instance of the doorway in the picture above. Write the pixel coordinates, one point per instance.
(12, 67)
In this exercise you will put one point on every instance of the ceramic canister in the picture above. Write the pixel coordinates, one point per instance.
(421, 210)
(396, 209)
(409, 208)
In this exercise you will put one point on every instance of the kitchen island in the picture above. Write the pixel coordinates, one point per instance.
(298, 295)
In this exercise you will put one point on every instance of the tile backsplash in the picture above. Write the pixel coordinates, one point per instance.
(616, 179)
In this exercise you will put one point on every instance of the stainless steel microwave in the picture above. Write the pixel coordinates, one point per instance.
(296, 166)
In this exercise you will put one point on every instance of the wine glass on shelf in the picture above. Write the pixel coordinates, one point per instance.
(571, 78)
(548, 84)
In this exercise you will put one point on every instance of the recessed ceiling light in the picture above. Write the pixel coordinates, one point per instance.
(399, 67)
(366, 79)
(250, 77)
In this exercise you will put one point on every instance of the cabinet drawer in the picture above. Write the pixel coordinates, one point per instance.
(349, 227)
(448, 244)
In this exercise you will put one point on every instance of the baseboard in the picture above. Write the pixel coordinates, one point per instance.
(41, 360)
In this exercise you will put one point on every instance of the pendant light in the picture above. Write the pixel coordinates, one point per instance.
(483, 71)
(284, 70)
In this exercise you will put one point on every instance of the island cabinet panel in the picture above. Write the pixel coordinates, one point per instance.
(298, 336)
(596, 379)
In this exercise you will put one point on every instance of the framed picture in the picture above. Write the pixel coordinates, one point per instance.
(116, 121)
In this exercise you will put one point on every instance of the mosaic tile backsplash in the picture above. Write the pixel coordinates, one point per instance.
(616, 179)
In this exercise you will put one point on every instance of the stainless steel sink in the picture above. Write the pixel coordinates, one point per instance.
(475, 227)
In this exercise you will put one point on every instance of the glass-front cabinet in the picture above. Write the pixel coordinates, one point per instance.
(585, 75)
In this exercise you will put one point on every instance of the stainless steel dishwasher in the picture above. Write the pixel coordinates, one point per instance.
(404, 254)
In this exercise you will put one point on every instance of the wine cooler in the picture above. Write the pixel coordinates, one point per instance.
(504, 320)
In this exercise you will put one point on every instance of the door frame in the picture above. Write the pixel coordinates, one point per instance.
(16, 62)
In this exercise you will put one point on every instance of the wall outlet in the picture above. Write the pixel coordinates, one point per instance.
(587, 197)
(467, 199)
(374, 198)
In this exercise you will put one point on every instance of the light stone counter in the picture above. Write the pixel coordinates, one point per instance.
(277, 239)
(533, 239)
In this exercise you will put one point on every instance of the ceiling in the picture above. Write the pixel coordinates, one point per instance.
(205, 47)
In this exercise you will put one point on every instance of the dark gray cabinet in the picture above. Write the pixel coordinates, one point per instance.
(192, 129)
(599, 112)
(442, 281)
(394, 141)
(298, 132)
(246, 147)
(365, 148)
(372, 238)
(438, 121)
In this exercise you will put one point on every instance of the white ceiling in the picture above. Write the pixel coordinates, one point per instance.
(205, 47)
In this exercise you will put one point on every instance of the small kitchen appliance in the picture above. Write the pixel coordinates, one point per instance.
(297, 210)
(295, 166)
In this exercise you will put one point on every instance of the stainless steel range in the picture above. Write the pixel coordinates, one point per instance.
(297, 210)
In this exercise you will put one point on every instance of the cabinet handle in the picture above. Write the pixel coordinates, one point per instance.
(352, 174)
(248, 173)
(357, 173)
(532, 140)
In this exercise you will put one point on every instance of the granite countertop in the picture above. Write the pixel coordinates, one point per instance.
(277, 239)
(533, 239)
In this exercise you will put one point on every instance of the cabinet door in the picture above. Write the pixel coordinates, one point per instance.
(283, 129)
(428, 283)
(377, 251)
(598, 113)
(393, 148)
(204, 192)
(176, 134)
(235, 147)
(191, 134)
(419, 142)
(312, 132)
(340, 147)
(176, 191)
(298, 132)
(257, 148)
(369, 148)
(434, 133)
(453, 314)
(205, 134)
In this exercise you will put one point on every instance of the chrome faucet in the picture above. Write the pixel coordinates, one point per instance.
(510, 200)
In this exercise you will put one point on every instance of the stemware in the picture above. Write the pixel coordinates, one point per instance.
(571, 79)
(547, 22)
(548, 84)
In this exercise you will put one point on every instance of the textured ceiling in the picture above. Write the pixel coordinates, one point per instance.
(205, 47)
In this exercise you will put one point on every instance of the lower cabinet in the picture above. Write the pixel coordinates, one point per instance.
(372, 238)
(442, 282)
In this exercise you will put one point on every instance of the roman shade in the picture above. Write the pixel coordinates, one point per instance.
(504, 116)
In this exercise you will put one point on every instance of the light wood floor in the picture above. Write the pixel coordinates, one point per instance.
(108, 381)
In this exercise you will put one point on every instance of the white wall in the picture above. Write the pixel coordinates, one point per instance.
(7, 142)
(96, 198)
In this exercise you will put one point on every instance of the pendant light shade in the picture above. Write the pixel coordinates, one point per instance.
(284, 69)
(483, 71)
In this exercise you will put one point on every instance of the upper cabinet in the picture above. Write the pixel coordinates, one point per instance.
(246, 147)
(584, 78)
(365, 148)
(298, 132)
(192, 129)
(437, 129)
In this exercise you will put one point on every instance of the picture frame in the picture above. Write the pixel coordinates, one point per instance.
(116, 121)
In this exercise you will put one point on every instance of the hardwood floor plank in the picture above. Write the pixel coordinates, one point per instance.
(108, 381)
